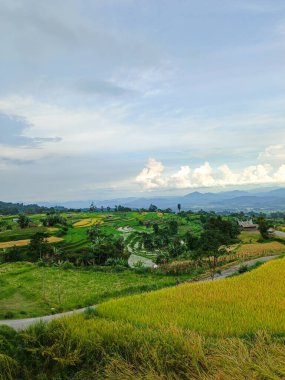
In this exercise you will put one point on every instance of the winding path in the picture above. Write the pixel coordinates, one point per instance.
(21, 324)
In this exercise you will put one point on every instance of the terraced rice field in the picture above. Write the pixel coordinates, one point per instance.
(261, 249)
(87, 222)
(233, 307)
(24, 242)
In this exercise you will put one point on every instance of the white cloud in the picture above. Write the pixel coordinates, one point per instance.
(151, 176)
(273, 153)
(182, 178)
(154, 177)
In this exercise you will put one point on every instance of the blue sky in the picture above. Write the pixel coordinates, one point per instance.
(110, 98)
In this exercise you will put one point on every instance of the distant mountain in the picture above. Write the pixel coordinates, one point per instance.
(235, 200)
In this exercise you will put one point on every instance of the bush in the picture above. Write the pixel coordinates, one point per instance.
(243, 269)
(67, 265)
(117, 262)
(90, 312)
(9, 315)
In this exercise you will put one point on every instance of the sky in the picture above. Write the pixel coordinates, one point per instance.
(102, 99)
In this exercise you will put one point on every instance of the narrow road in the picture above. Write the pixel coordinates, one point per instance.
(279, 233)
(21, 324)
(232, 270)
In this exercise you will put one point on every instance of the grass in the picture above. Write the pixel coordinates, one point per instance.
(249, 237)
(237, 306)
(88, 347)
(28, 290)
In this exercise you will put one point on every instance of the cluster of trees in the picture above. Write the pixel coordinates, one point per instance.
(53, 219)
(209, 246)
(24, 221)
(8, 208)
(104, 248)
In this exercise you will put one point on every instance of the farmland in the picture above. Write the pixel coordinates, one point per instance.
(70, 277)
(237, 306)
(150, 322)
(232, 329)
(28, 290)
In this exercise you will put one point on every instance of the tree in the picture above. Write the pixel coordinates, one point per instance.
(39, 246)
(210, 248)
(147, 241)
(94, 234)
(54, 219)
(228, 229)
(152, 208)
(179, 207)
(263, 227)
(23, 221)
(173, 227)
(191, 241)
(92, 208)
(155, 228)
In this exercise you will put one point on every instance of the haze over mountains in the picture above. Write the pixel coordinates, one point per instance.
(235, 200)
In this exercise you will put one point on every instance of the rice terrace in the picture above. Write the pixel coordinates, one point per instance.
(142, 279)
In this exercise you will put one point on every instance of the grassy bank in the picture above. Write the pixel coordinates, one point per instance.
(28, 290)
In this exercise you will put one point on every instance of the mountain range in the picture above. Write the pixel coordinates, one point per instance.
(236, 200)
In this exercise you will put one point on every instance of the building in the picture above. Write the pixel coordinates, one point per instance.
(248, 225)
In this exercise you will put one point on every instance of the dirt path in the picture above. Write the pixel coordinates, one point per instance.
(21, 324)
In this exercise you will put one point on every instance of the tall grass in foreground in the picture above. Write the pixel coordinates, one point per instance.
(236, 306)
(80, 349)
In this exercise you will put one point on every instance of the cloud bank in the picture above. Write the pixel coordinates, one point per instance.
(154, 176)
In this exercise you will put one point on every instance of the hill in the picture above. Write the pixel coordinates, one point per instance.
(236, 200)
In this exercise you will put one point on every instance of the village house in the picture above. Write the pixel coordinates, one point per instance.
(247, 225)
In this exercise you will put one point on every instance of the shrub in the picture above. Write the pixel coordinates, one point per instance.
(90, 312)
(9, 315)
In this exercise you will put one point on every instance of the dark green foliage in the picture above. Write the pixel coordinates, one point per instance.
(8, 208)
(23, 221)
(14, 254)
(152, 208)
(39, 247)
(155, 228)
(53, 219)
(173, 227)
(191, 241)
(228, 228)
(263, 227)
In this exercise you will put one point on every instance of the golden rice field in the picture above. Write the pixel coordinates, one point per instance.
(261, 249)
(87, 222)
(232, 307)
(22, 243)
